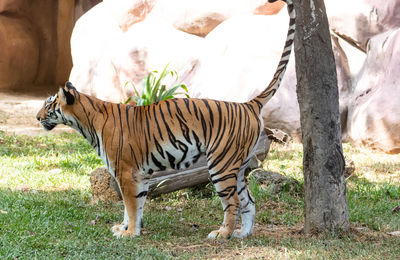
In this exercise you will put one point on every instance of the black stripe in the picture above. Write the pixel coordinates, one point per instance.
(242, 189)
(184, 148)
(286, 53)
(134, 156)
(157, 163)
(225, 177)
(203, 125)
(168, 107)
(227, 207)
(170, 135)
(288, 43)
(157, 124)
(217, 142)
(196, 138)
(195, 109)
(187, 105)
(159, 147)
(142, 194)
(283, 62)
(127, 118)
(291, 31)
(178, 110)
(171, 160)
(205, 101)
(290, 7)
(227, 192)
(91, 102)
(185, 130)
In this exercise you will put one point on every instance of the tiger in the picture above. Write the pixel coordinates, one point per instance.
(136, 141)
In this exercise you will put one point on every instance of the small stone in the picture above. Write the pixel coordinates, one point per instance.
(396, 209)
(394, 233)
(104, 187)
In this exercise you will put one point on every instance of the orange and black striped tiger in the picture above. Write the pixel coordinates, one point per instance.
(135, 141)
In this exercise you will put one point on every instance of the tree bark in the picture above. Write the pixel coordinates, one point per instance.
(317, 92)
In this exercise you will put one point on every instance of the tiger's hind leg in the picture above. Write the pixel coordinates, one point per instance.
(224, 179)
(247, 206)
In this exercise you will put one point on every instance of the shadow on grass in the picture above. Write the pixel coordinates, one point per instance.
(60, 224)
(370, 204)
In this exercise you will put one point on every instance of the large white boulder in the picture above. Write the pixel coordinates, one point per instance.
(374, 111)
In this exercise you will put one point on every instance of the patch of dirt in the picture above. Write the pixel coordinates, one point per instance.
(18, 114)
(236, 249)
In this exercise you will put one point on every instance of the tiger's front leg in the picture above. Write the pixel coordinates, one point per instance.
(134, 194)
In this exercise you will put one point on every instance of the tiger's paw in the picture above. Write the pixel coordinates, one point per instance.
(221, 233)
(127, 233)
(117, 229)
(238, 233)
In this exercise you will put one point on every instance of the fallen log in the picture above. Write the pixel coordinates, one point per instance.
(172, 180)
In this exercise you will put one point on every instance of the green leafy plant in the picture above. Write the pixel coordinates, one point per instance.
(154, 90)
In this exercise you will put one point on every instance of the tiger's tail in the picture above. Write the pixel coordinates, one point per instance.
(273, 86)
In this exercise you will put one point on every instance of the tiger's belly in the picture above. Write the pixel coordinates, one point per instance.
(179, 156)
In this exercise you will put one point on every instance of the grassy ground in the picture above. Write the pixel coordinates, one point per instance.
(46, 210)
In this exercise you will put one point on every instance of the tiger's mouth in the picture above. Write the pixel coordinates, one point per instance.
(47, 126)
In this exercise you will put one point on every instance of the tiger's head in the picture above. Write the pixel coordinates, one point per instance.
(53, 111)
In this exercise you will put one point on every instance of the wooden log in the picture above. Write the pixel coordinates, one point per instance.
(173, 180)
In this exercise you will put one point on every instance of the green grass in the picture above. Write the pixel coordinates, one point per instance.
(46, 210)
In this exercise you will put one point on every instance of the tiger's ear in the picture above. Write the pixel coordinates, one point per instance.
(66, 96)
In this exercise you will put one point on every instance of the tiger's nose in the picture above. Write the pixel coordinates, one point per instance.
(38, 116)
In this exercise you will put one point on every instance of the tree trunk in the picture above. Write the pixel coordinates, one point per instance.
(317, 92)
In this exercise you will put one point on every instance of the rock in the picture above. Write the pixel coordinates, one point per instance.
(394, 233)
(359, 19)
(140, 52)
(270, 8)
(93, 38)
(277, 135)
(19, 53)
(374, 113)
(388, 12)
(128, 12)
(82, 6)
(201, 17)
(108, 58)
(104, 187)
(34, 40)
(349, 167)
(274, 182)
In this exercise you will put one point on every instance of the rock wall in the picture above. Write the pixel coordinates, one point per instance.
(34, 36)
